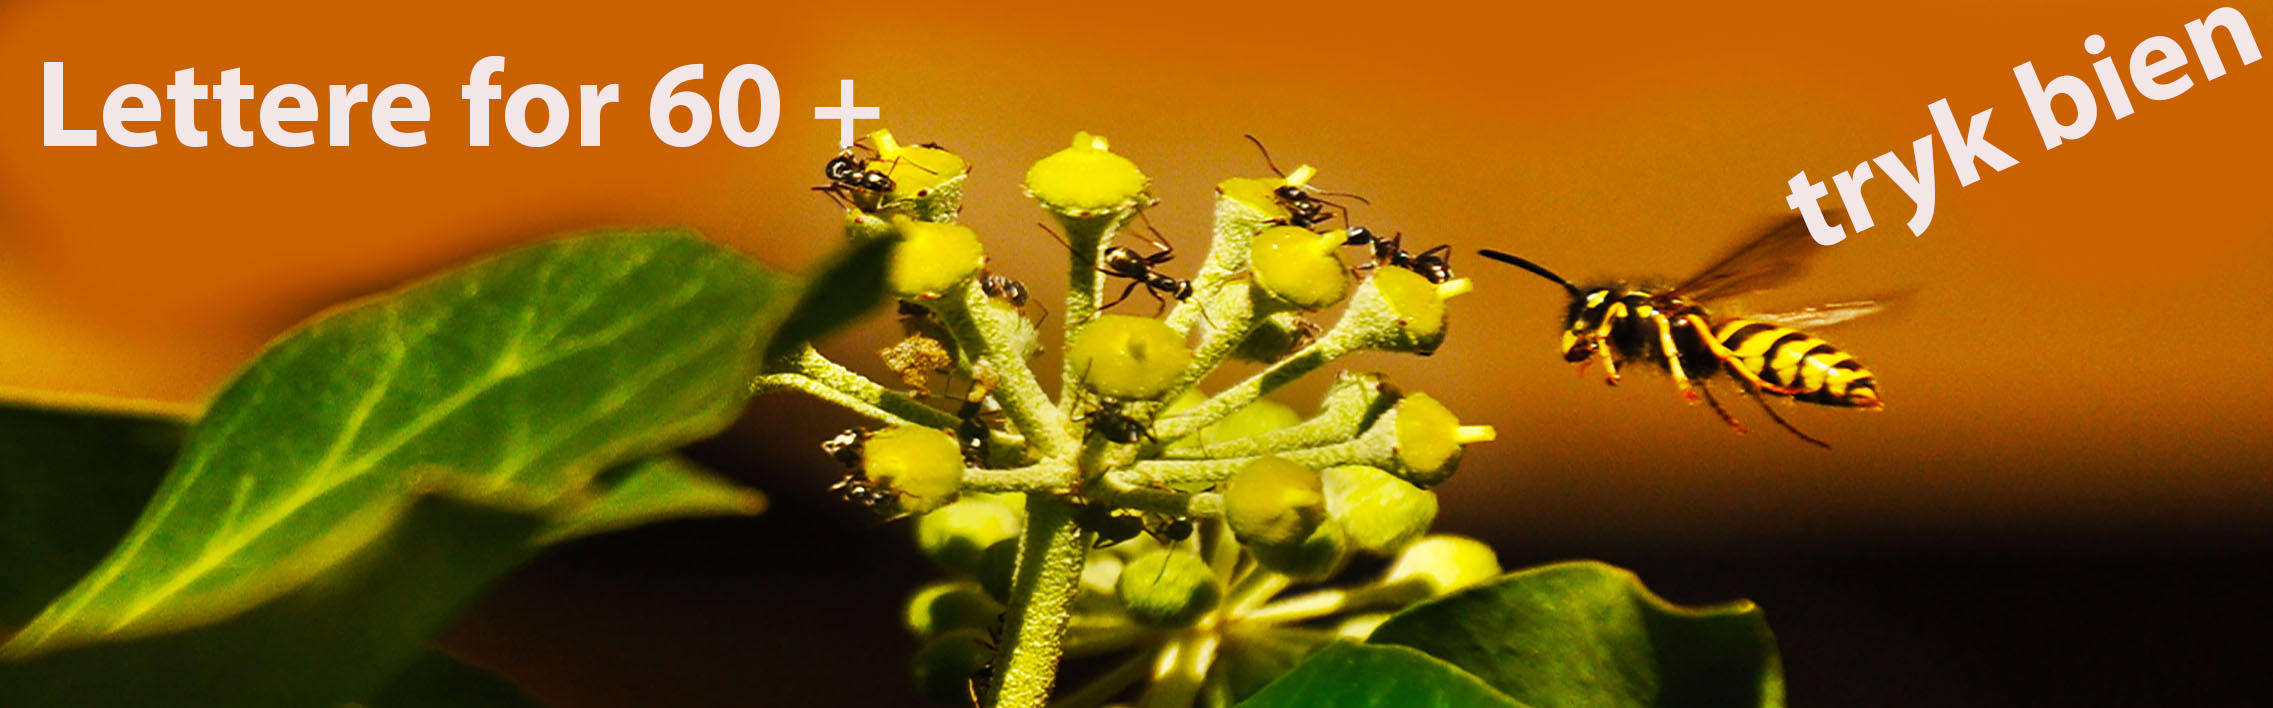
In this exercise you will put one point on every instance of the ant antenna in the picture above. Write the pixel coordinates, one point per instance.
(1535, 268)
(1360, 200)
(1054, 236)
(1266, 155)
(1157, 240)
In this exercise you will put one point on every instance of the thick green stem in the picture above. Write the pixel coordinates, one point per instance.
(815, 375)
(1236, 223)
(1047, 477)
(1050, 556)
(1085, 238)
(1232, 320)
(1337, 343)
(976, 330)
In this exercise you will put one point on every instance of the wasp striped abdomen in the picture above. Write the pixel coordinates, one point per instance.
(1798, 365)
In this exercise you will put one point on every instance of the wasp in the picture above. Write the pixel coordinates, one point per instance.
(1303, 206)
(1676, 329)
(1434, 264)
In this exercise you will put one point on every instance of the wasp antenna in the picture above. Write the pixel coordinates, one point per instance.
(1266, 155)
(1535, 268)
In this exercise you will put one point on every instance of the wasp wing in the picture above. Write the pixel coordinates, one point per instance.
(1773, 259)
(1821, 316)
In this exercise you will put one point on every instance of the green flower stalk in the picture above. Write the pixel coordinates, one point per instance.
(1131, 513)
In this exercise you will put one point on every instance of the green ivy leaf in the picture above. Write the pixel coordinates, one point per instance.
(1589, 635)
(1375, 676)
(373, 469)
(656, 489)
(842, 289)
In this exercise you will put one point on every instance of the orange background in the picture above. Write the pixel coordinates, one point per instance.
(2085, 360)
(2085, 349)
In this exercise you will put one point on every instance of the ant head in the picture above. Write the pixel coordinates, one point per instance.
(1183, 290)
(1290, 193)
(841, 166)
(1358, 235)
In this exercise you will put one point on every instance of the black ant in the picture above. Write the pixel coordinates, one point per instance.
(851, 179)
(1303, 207)
(973, 432)
(846, 449)
(1141, 270)
(1007, 289)
(1434, 264)
(1111, 528)
(1118, 427)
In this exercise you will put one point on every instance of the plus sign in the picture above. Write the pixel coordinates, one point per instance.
(846, 113)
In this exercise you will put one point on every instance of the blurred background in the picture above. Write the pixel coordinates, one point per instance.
(2067, 501)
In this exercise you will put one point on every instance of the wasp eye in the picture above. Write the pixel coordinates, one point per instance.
(1579, 351)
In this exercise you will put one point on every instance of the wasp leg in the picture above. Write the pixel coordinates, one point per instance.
(1707, 388)
(1779, 418)
(1673, 357)
(1731, 362)
(1601, 339)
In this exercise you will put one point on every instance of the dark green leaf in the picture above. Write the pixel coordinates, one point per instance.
(306, 497)
(1376, 676)
(1589, 635)
(390, 577)
(654, 490)
(435, 680)
(847, 286)
(72, 479)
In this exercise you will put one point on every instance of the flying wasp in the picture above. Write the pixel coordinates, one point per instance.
(1674, 328)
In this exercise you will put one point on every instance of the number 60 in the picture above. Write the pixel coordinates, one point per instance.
(665, 99)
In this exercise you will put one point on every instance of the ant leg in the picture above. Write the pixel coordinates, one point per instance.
(1707, 387)
(1124, 293)
(1161, 302)
(1167, 250)
(1673, 357)
(1779, 418)
(834, 196)
(1734, 363)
